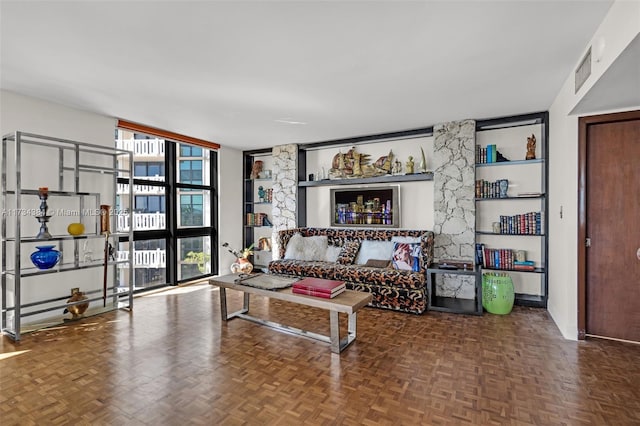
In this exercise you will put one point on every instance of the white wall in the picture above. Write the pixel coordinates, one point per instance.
(416, 198)
(619, 28)
(231, 213)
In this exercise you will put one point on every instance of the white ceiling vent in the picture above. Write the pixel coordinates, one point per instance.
(584, 70)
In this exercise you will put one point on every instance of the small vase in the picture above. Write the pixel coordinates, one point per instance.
(241, 266)
(504, 187)
(46, 257)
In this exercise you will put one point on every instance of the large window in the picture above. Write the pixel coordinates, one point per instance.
(173, 210)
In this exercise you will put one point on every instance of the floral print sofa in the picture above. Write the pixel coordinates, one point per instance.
(400, 290)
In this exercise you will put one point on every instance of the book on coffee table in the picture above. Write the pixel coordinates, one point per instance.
(317, 293)
(319, 287)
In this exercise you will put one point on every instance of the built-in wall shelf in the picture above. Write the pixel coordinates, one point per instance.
(362, 181)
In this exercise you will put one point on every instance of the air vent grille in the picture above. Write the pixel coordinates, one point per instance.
(584, 70)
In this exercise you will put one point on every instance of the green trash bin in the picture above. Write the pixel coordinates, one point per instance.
(497, 293)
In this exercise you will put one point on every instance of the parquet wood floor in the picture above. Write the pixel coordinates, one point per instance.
(172, 362)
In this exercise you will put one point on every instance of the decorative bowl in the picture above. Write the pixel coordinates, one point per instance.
(46, 257)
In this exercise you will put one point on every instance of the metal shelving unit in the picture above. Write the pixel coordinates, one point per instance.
(75, 162)
(532, 174)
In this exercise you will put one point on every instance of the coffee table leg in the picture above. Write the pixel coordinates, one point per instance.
(223, 303)
(335, 332)
(337, 344)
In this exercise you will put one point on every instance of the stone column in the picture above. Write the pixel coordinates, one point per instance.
(285, 190)
(454, 201)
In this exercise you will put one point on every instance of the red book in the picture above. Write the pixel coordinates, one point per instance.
(316, 293)
(319, 285)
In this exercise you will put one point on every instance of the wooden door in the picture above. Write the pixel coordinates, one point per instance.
(612, 226)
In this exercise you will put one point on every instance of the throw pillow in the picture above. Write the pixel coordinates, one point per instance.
(370, 249)
(348, 252)
(332, 253)
(306, 248)
(410, 240)
(406, 256)
(378, 263)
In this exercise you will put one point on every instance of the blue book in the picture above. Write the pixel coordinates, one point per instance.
(489, 153)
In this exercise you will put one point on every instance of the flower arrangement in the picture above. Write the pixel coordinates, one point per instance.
(244, 254)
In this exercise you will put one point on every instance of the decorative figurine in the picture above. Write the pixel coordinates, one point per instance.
(256, 169)
(423, 162)
(385, 163)
(397, 167)
(76, 309)
(357, 167)
(531, 147)
(409, 167)
(261, 194)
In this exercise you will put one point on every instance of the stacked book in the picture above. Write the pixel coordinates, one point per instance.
(525, 265)
(319, 287)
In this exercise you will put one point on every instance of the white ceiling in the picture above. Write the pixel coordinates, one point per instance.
(258, 74)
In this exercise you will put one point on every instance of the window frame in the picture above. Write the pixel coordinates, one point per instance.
(173, 233)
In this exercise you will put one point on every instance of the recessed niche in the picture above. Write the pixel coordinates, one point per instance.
(366, 207)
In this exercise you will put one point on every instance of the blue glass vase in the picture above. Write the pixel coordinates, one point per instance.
(46, 257)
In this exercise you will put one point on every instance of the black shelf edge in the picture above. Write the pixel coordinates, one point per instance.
(435, 268)
(258, 226)
(257, 202)
(259, 179)
(530, 300)
(378, 179)
(535, 271)
(509, 235)
(521, 197)
(510, 162)
(453, 305)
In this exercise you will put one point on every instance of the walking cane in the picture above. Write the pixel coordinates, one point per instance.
(104, 230)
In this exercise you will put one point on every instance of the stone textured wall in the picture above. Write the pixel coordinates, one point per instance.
(454, 202)
(285, 190)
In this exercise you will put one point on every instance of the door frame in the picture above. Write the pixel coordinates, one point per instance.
(583, 130)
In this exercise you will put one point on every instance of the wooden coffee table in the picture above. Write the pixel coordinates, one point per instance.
(348, 302)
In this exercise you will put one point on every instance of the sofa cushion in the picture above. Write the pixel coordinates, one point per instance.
(304, 268)
(406, 256)
(378, 263)
(348, 253)
(306, 248)
(380, 276)
(333, 252)
(370, 249)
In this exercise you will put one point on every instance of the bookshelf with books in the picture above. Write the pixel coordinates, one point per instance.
(511, 203)
(258, 195)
